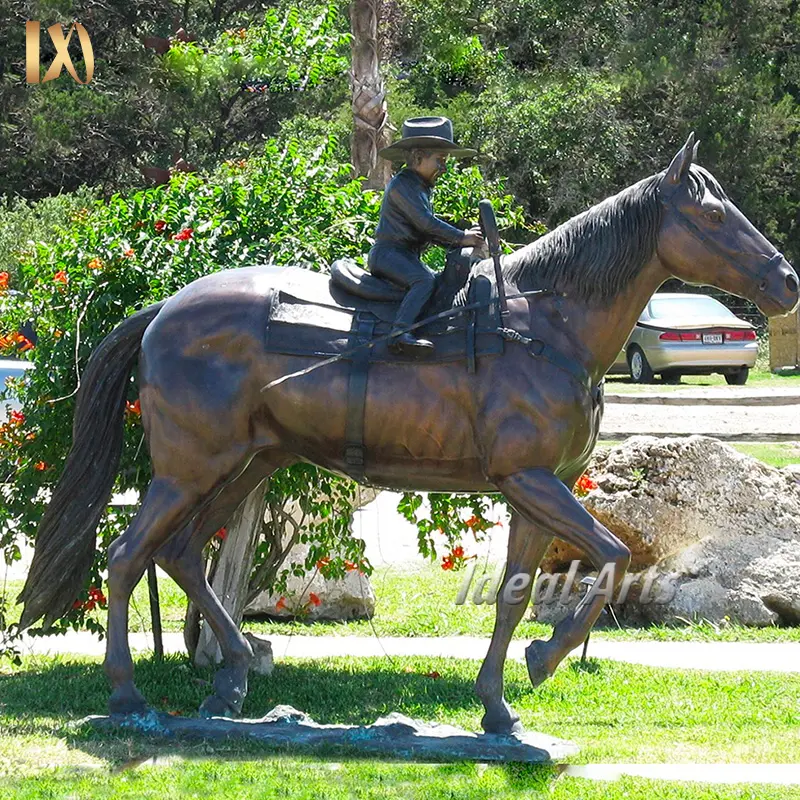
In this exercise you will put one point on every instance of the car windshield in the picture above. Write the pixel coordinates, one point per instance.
(689, 306)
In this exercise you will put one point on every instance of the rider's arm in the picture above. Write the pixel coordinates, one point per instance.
(413, 204)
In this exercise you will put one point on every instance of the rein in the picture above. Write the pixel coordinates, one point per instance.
(536, 347)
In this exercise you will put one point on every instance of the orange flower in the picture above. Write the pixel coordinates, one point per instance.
(16, 338)
(40, 466)
(222, 534)
(350, 566)
(314, 598)
(61, 277)
(129, 253)
(57, 334)
(96, 596)
(322, 563)
(160, 225)
(281, 604)
(134, 408)
(4, 279)
(473, 522)
(184, 235)
(584, 485)
(447, 563)
(95, 263)
(17, 418)
(458, 552)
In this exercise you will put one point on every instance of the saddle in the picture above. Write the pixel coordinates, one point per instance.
(311, 314)
(350, 315)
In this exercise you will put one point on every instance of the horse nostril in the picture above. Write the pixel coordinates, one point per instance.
(791, 284)
(762, 287)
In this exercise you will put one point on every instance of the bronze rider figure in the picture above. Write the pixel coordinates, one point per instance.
(407, 224)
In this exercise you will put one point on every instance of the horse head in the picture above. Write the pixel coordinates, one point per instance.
(705, 239)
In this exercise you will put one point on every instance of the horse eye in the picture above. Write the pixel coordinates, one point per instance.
(714, 215)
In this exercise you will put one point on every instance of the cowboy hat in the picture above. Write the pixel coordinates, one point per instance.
(429, 133)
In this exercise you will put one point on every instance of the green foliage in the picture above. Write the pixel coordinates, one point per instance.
(557, 135)
(22, 223)
(222, 89)
(585, 99)
(452, 516)
(142, 108)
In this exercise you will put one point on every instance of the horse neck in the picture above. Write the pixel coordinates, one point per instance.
(600, 332)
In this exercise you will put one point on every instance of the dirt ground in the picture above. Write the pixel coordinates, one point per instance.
(728, 421)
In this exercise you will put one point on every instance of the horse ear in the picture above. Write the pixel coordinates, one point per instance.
(677, 170)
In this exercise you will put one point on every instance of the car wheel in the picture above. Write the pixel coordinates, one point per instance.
(639, 366)
(739, 377)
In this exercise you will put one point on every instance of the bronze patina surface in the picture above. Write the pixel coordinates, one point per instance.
(521, 424)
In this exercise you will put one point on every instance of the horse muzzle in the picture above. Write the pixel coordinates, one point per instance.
(779, 292)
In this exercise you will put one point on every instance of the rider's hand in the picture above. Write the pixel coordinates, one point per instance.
(473, 238)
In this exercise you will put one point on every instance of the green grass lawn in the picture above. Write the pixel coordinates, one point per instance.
(615, 712)
(760, 378)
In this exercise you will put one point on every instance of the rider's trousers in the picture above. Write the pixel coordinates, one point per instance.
(404, 268)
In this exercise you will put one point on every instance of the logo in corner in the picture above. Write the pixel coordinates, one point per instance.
(62, 58)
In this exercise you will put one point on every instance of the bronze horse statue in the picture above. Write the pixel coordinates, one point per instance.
(524, 423)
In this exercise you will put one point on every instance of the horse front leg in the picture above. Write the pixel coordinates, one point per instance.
(526, 546)
(545, 501)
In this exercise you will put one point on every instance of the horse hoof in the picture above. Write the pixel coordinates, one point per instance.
(502, 720)
(127, 699)
(215, 706)
(537, 665)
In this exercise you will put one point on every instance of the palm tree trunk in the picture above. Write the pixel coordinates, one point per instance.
(371, 127)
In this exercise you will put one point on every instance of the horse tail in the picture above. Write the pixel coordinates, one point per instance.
(65, 541)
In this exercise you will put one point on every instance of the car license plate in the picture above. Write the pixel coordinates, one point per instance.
(712, 338)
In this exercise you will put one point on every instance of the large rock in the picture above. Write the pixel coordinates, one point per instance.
(352, 597)
(720, 528)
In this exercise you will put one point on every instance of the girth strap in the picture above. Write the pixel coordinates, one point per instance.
(354, 453)
(539, 349)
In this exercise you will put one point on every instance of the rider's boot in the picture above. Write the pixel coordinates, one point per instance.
(406, 344)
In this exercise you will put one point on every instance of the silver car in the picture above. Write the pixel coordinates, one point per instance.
(688, 334)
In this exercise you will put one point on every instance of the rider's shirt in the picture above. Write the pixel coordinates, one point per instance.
(407, 219)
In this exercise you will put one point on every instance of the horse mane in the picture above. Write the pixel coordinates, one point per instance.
(594, 255)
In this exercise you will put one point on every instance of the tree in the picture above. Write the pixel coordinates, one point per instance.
(371, 127)
(203, 81)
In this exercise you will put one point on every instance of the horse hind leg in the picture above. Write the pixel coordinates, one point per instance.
(182, 559)
(165, 508)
